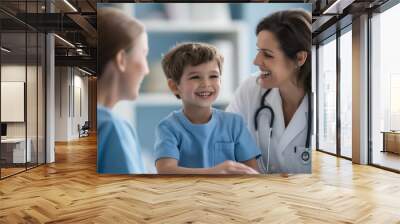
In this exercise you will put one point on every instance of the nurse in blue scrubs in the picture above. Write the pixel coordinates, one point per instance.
(122, 66)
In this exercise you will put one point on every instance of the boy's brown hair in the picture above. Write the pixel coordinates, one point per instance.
(189, 53)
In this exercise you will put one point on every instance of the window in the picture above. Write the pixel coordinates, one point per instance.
(327, 96)
(22, 77)
(385, 88)
(346, 92)
(394, 119)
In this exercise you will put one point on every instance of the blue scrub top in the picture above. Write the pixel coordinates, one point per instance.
(118, 150)
(224, 137)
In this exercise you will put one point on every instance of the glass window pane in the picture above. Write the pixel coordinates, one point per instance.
(327, 96)
(13, 86)
(23, 88)
(31, 97)
(41, 98)
(385, 84)
(346, 94)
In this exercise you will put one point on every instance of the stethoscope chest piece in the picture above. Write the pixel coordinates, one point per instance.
(305, 156)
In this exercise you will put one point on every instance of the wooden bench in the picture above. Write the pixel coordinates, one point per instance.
(391, 141)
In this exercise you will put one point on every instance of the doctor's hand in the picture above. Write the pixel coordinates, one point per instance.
(232, 167)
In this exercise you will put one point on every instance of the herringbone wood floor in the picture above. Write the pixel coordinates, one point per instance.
(70, 191)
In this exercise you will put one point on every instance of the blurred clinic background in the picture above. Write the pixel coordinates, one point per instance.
(228, 26)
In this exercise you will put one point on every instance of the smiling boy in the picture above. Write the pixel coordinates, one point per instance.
(199, 139)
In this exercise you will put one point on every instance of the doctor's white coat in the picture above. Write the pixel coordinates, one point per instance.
(287, 144)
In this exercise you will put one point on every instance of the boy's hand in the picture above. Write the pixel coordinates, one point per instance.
(170, 166)
(232, 167)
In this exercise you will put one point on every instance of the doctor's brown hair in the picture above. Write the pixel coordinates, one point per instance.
(184, 54)
(116, 32)
(292, 28)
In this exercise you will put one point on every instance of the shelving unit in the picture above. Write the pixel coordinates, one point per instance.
(192, 26)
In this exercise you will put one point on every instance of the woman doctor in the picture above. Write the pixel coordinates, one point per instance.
(275, 102)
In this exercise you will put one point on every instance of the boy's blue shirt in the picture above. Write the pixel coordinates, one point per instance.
(118, 150)
(224, 137)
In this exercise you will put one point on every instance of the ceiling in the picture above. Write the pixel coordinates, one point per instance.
(72, 20)
(75, 21)
(331, 15)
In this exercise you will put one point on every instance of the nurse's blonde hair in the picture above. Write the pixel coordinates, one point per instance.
(116, 31)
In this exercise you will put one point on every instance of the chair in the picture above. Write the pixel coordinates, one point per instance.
(84, 130)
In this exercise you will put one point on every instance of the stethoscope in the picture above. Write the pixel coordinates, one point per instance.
(305, 156)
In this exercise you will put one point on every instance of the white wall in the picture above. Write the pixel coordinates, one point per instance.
(14, 73)
(80, 84)
(69, 85)
(33, 126)
(17, 73)
(61, 103)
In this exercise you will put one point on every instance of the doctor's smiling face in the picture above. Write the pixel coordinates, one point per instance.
(199, 85)
(276, 69)
(284, 50)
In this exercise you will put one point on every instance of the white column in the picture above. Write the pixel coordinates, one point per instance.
(360, 90)
(50, 99)
(50, 92)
